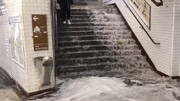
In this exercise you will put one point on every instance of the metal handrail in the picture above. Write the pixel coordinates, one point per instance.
(141, 26)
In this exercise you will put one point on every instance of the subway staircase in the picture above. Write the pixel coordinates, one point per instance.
(97, 43)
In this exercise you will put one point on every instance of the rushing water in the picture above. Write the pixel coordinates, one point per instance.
(120, 54)
(123, 47)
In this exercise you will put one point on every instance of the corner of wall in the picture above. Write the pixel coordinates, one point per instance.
(36, 8)
(176, 41)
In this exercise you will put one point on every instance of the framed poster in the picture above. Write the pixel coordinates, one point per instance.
(16, 39)
(143, 10)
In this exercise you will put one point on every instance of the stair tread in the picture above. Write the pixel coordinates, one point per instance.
(102, 57)
(97, 40)
(99, 46)
(90, 65)
(86, 61)
(96, 51)
(76, 31)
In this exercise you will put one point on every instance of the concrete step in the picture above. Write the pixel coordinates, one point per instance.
(77, 62)
(110, 29)
(89, 20)
(90, 27)
(101, 73)
(81, 20)
(81, 3)
(87, 2)
(97, 67)
(74, 29)
(79, 43)
(77, 24)
(90, 24)
(77, 11)
(107, 52)
(76, 42)
(81, 16)
(80, 13)
(75, 33)
(107, 10)
(81, 38)
(85, 10)
(97, 47)
(98, 7)
(85, 54)
(80, 68)
(85, 48)
(97, 53)
(82, 28)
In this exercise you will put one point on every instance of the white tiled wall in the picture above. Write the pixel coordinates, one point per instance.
(162, 31)
(176, 47)
(30, 7)
(15, 70)
(26, 76)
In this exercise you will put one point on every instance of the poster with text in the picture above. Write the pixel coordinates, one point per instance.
(143, 9)
(16, 39)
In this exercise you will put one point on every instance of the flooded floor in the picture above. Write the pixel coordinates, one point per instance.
(112, 89)
(7, 86)
(99, 89)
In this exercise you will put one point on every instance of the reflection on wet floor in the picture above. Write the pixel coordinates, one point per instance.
(7, 92)
(5, 81)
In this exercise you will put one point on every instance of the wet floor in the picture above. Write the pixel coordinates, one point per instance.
(5, 81)
(7, 88)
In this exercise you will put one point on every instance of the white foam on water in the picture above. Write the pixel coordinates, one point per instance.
(109, 89)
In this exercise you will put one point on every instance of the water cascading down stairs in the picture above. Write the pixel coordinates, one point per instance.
(98, 42)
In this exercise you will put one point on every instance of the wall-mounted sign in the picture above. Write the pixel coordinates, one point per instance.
(40, 35)
(16, 39)
(143, 9)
